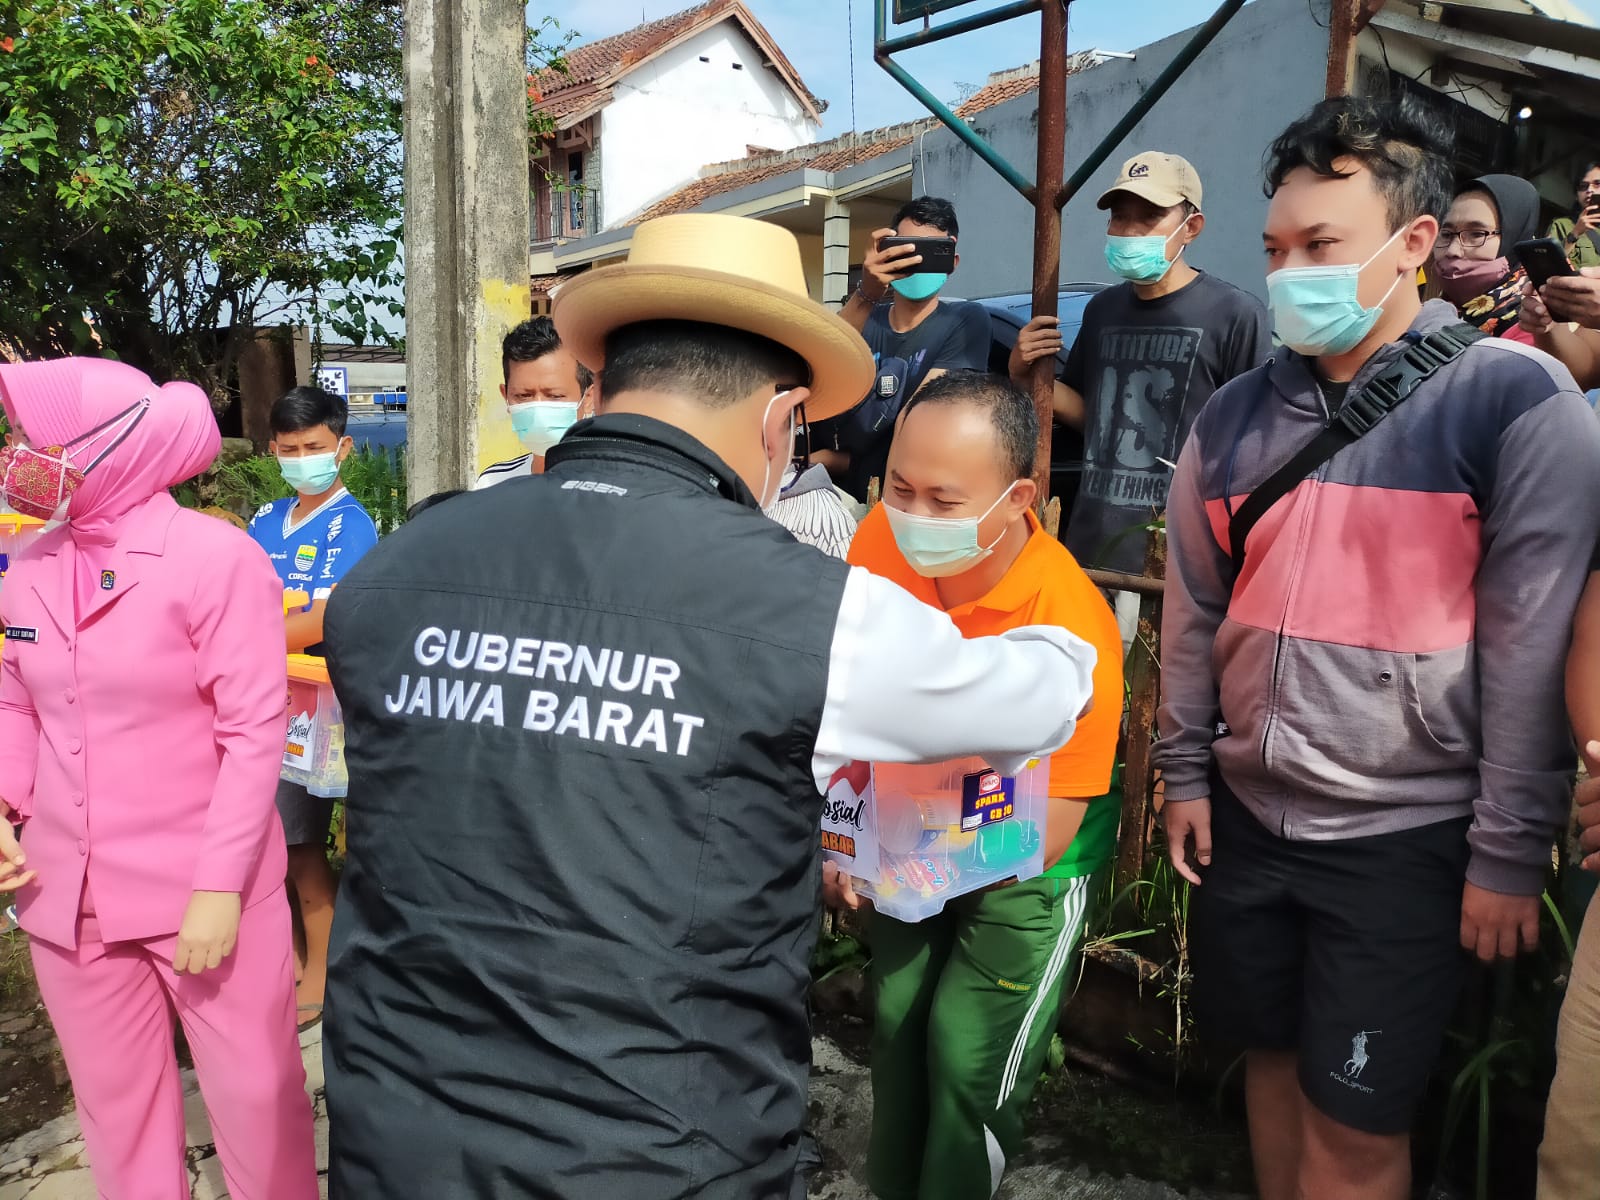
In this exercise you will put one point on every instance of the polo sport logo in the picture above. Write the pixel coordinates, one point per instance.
(1350, 1077)
(1138, 171)
(1358, 1053)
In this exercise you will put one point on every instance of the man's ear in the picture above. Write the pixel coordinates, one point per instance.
(776, 427)
(1417, 245)
(1023, 493)
(345, 448)
(502, 391)
(955, 262)
(589, 402)
(1195, 226)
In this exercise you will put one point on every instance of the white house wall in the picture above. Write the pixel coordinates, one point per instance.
(673, 114)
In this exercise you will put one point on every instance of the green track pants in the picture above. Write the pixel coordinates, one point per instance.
(966, 1003)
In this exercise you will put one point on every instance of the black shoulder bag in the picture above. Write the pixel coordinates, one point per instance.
(1361, 411)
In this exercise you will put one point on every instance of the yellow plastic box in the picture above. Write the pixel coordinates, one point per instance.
(914, 837)
(16, 532)
(313, 750)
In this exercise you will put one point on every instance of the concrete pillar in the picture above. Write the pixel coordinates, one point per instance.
(466, 221)
(835, 252)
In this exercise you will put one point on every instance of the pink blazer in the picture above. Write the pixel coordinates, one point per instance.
(141, 745)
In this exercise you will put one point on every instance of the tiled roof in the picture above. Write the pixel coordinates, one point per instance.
(999, 92)
(833, 155)
(1019, 81)
(578, 103)
(543, 285)
(601, 63)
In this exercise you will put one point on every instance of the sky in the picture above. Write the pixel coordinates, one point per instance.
(813, 35)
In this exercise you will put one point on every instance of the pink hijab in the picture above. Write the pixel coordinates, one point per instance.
(52, 402)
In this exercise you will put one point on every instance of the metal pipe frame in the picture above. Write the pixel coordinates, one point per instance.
(882, 48)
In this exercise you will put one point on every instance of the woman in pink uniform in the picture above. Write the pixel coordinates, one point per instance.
(141, 729)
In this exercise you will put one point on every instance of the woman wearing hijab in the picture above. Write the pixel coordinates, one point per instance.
(141, 731)
(1474, 257)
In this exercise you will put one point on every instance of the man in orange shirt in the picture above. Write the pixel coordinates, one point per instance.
(966, 1001)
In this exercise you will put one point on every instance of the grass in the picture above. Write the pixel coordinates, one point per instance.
(16, 970)
(376, 478)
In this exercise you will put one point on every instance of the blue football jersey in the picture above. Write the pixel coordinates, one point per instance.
(314, 554)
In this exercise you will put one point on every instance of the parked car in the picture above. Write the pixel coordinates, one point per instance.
(378, 429)
(1007, 316)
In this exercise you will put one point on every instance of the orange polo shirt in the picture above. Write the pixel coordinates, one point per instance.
(1045, 586)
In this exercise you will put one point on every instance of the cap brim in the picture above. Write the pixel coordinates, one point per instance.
(1159, 196)
(593, 304)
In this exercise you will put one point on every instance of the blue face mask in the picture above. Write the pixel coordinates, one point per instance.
(919, 286)
(938, 547)
(540, 424)
(1141, 259)
(1318, 310)
(311, 474)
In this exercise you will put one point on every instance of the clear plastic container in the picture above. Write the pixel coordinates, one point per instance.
(313, 750)
(914, 837)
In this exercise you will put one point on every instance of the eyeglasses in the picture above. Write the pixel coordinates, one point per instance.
(1470, 239)
(802, 440)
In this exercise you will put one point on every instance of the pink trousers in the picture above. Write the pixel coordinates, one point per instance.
(113, 1007)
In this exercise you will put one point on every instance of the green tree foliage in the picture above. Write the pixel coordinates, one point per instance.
(175, 172)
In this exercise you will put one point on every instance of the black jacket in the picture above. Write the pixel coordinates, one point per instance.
(570, 955)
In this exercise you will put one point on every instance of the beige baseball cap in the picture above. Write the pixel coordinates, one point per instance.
(1162, 179)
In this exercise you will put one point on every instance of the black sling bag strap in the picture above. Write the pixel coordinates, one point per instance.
(1360, 412)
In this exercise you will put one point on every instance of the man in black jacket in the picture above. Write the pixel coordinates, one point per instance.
(586, 776)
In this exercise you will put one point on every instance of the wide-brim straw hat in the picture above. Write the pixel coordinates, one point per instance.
(720, 270)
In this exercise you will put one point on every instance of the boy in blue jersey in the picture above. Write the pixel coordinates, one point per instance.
(313, 538)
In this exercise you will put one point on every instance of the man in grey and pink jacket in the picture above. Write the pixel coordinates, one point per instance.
(1363, 731)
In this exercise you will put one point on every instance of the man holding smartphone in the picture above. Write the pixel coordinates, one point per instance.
(913, 335)
(1562, 312)
(1579, 234)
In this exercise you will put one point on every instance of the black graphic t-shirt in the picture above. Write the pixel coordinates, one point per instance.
(1145, 369)
(954, 337)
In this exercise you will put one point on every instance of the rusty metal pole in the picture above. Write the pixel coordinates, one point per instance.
(1047, 216)
(1346, 20)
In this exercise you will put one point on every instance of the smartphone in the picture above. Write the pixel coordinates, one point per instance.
(938, 253)
(1543, 259)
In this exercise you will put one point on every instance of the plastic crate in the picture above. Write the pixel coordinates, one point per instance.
(915, 837)
(313, 750)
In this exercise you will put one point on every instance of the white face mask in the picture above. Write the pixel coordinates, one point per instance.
(768, 496)
(938, 547)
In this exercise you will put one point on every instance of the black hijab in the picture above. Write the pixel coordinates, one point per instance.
(1517, 202)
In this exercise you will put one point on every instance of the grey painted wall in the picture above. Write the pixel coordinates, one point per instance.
(1266, 68)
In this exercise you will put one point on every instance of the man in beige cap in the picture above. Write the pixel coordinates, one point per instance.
(1151, 351)
(586, 780)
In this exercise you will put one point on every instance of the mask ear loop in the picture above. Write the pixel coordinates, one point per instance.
(138, 410)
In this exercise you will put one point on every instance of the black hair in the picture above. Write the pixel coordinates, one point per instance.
(1577, 180)
(1009, 408)
(428, 502)
(713, 364)
(929, 210)
(1407, 150)
(531, 340)
(302, 408)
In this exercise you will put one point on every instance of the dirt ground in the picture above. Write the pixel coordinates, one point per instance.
(33, 1079)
